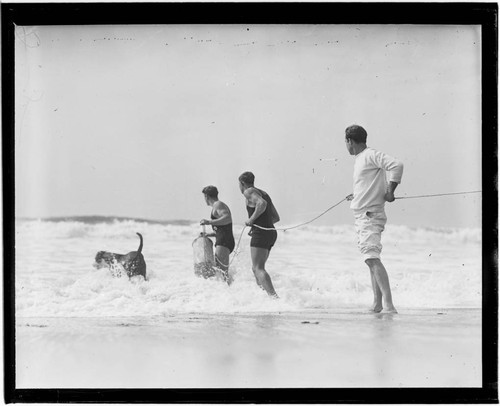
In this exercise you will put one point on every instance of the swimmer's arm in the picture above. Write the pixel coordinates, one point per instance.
(275, 217)
(223, 216)
(260, 204)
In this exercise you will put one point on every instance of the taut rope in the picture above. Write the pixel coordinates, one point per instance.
(303, 224)
(439, 194)
(332, 207)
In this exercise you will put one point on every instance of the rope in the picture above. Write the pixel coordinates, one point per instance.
(235, 251)
(303, 224)
(345, 198)
(280, 229)
(439, 194)
(326, 211)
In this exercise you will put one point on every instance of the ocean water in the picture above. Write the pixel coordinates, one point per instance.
(312, 268)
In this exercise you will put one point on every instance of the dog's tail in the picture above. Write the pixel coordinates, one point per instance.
(140, 245)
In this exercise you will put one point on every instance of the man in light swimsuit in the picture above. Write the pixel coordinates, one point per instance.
(262, 216)
(222, 223)
(371, 189)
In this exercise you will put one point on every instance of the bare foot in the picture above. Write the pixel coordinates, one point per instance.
(376, 308)
(391, 310)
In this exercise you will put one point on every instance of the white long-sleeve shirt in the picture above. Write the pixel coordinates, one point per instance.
(372, 170)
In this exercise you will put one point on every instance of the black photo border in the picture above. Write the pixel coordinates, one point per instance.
(483, 14)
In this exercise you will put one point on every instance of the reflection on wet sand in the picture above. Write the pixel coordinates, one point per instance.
(335, 349)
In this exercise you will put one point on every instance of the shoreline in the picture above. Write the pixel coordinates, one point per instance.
(310, 349)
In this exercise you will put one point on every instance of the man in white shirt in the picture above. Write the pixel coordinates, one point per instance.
(376, 176)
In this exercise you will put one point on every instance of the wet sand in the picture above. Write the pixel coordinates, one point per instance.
(315, 349)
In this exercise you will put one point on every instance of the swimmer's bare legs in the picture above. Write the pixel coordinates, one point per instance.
(222, 262)
(259, 258)
(382, 288)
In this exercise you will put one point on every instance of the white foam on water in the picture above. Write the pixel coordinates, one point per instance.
(314, 267)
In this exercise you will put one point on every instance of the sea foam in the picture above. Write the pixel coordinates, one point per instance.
(313, 267)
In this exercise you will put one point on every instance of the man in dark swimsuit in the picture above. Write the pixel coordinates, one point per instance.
(222, 224)
(262, 216)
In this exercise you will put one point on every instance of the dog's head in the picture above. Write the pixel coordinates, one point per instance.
(103, 259)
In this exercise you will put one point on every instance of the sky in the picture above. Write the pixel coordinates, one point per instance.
(135, 120)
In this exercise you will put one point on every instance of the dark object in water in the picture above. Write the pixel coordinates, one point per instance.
(133, 263)
(204, 260)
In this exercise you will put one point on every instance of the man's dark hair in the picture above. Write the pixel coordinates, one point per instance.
(247, 178)
(356, 133)
(211, 191)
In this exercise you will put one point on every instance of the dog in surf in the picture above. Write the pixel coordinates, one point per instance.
(132, 264)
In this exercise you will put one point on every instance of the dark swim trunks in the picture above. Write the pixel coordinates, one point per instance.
(224, 236)
(263, 238)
